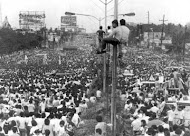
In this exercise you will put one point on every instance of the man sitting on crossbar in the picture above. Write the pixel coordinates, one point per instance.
(118, 37)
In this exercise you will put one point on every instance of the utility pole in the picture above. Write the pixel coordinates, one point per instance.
(105, 55)
(163, 23)
(148, 30)
(184, 44)
(106, 15)
(99, 22)
(114, 78)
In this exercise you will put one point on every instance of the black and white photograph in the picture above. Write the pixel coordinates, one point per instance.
(94, 68)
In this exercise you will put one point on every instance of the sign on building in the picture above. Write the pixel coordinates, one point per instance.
(32, 20)
(69, 23)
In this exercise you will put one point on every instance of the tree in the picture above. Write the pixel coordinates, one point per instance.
(11, 41)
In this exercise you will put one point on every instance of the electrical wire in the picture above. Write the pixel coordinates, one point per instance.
(92, 20)
(96, 5)
(109, 1)
(102, 2)
(113, 7)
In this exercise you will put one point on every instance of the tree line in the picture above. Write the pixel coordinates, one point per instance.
(11, 41)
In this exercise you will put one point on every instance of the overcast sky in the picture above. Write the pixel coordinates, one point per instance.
(176, 11)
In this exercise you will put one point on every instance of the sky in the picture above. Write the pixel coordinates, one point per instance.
(176, 11)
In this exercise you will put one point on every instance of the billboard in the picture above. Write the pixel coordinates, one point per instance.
(34, 20)
(69, 23)
(68, 20)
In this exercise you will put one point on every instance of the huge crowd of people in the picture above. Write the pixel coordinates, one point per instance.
(35, 101)
(48, 99)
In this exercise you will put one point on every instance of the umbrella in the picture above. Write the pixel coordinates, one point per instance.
(155, 122)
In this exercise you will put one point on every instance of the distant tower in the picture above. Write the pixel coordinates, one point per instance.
(6, 24)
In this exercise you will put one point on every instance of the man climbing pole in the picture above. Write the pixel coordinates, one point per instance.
(118, 36)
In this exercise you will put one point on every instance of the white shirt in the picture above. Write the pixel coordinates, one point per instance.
(76, 119)
(22, 122)
(33, 129)
(43, 106)
(128, 106)
(123, 97)
(102, 126)
(136, 124)
(40, 122)
(154, 109)
(61, 131)
(98, 94)
(55, 122)
(93, 99)
(171, 115)
(160, 134)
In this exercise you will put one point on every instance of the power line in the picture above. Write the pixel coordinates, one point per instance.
(102, 2)
(92, 20)
(97, 5)
(113, 7)
(109, 2)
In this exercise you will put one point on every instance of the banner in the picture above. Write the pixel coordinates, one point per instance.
(25, 15)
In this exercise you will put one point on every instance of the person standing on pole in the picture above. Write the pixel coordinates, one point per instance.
(118, 36)
(100, 34)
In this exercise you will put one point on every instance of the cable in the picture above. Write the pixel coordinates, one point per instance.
(109, 2)
(97, 5)
(102, 2)
(92, 20)
(113, 7)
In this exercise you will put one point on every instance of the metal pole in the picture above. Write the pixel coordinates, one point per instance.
(106, 15)
(163, 21)
(105, 71)
(114, 78)
(99, 22)
(184, 44)
(148, 31)
(162, 30)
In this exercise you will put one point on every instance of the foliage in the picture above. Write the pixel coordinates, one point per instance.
(11, 41)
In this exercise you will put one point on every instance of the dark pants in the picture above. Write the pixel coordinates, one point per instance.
(112, 41)
(100, 39)
(22, 132)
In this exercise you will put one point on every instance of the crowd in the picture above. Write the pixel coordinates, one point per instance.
(48, 99)
(156, 99)
(33, 102)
